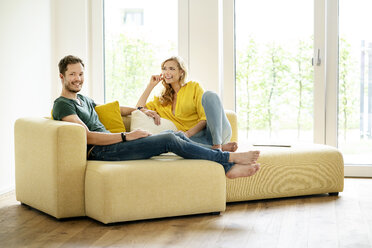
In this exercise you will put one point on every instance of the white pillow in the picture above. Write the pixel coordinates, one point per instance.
(140, 120)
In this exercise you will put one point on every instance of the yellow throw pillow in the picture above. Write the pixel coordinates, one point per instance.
(110, 116)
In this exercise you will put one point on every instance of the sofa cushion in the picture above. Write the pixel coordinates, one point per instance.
(110, 116)
(140, 120)
(302, 169)
(163, 186)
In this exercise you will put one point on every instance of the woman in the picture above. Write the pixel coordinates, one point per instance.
(200, 115)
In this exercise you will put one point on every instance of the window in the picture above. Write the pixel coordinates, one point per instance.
(274, 74)
(138, 36)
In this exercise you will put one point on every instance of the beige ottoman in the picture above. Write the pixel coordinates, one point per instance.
(159, 187)
(291, 171)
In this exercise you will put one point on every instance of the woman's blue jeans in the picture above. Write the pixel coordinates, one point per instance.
(157, 144)
(218, 129)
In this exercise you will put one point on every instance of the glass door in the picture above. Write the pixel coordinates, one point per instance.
(283, 95)
(355, 83)
(274, 72)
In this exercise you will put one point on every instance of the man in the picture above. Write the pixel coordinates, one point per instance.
(137, 144)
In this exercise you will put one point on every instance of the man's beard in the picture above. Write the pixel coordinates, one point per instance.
(71, 89)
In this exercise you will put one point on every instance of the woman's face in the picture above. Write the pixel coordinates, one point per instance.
(171, 72)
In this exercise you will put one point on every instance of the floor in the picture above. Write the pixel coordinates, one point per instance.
(310, 221)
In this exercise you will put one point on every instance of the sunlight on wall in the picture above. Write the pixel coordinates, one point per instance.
(25, 87)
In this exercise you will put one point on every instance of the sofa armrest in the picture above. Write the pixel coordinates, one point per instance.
(50, 163)
(231, 116)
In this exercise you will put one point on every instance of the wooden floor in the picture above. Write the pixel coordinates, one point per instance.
(311, 221)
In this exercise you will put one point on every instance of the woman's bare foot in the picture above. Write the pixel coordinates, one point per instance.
(240, 170)
(230, 147)
(217, 147)
(245, 158)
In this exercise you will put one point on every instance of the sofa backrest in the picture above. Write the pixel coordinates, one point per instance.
(126, 121)
(231, 116)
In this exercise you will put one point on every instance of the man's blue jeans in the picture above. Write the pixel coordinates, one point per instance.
(157, 144)
(218, 129)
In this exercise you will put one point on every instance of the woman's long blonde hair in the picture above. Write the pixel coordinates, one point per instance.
(166, 96)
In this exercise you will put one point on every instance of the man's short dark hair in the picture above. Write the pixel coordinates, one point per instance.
(68, 60)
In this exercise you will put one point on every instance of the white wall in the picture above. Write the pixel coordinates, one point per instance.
(203, 43)
(25, 72)
(35, 35)
(70, 33)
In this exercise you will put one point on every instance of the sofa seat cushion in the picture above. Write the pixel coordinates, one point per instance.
(159, 187)
(291, 171)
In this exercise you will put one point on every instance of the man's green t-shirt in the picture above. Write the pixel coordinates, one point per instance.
(64, 107)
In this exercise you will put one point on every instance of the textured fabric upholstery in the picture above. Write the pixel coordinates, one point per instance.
(291, 171)
(233, 119)
(53, 175)
(158, 187)
(50, 159)
(51, 171)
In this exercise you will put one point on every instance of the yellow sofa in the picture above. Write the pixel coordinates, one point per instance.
(53, 176)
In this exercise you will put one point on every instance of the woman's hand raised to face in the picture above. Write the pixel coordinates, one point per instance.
(155, 79)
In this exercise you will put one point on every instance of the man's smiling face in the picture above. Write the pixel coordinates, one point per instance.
(74, 78)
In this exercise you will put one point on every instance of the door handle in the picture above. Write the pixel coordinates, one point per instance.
(318, 60)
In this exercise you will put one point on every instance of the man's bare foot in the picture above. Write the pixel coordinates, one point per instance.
(230, 147)
(246, 158)
(240, 170)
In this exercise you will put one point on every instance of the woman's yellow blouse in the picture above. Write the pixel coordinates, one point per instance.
(189, 110)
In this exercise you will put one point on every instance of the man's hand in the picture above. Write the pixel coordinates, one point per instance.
(137, 134)
(153, 115)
